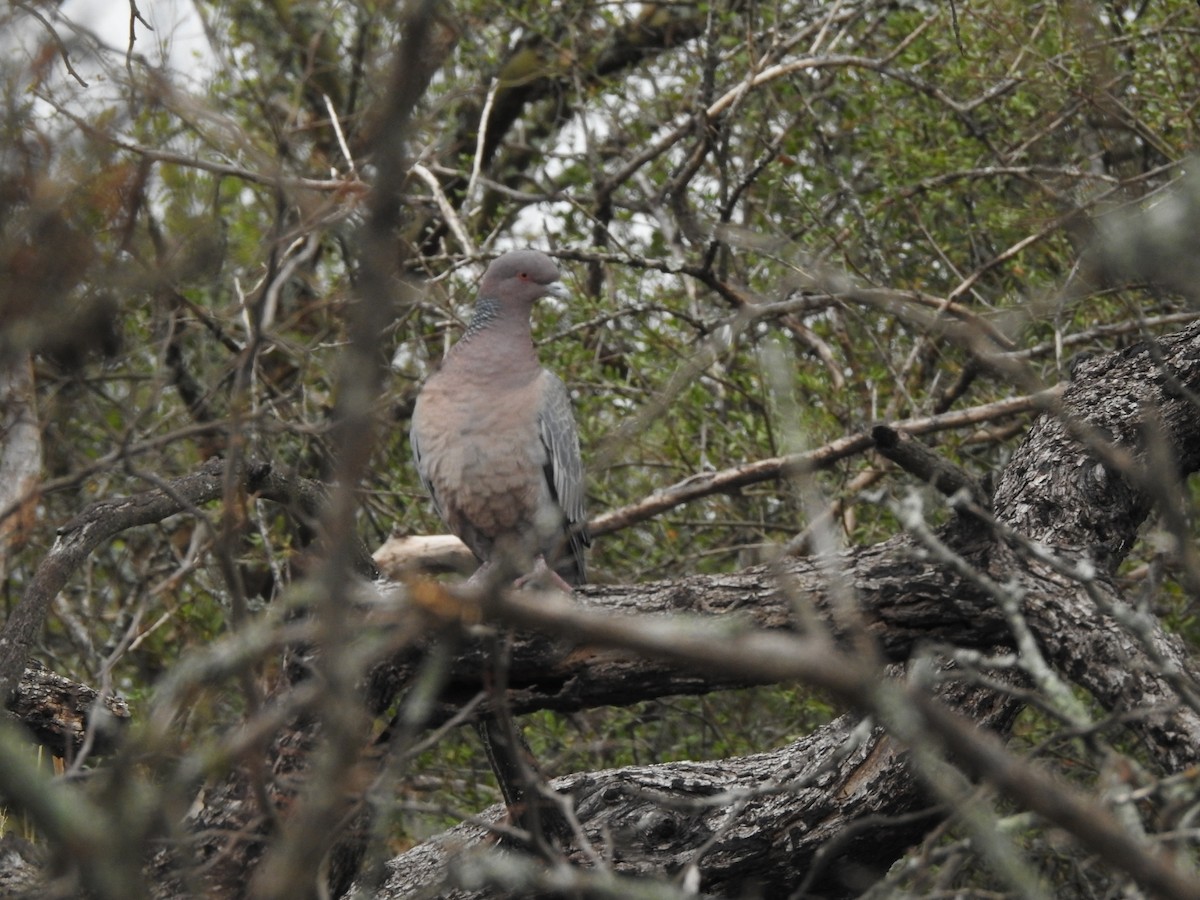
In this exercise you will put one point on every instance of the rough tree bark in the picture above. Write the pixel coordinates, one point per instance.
(20, 452)
(826, 814)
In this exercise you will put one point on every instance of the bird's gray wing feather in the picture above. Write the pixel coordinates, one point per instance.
(418, 461)
(556, 426)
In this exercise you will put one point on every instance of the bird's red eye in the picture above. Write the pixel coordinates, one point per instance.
(524, 276)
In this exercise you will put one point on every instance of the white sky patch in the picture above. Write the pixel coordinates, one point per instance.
(177, 42)
(95, 36)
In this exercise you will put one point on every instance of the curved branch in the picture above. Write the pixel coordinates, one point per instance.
(105, 519)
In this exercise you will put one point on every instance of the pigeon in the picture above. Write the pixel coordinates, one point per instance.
(494, 438)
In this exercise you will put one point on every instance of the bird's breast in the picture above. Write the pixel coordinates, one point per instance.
(482, 453)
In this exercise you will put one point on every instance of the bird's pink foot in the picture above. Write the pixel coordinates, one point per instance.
(542, 572)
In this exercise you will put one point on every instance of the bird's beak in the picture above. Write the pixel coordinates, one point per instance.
(558, 289)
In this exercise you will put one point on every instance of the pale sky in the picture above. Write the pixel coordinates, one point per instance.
(177, 40)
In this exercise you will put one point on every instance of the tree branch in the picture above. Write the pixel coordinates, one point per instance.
(708, 483)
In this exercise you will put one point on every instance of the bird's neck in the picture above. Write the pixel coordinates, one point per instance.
(492, 321)
(488, 314)
(497, 341)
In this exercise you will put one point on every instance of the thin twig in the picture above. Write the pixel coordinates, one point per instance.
(337, 130)
(446, 209)
(62, 47)
(480, 140)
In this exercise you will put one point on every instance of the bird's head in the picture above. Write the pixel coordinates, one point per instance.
(520, 278)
